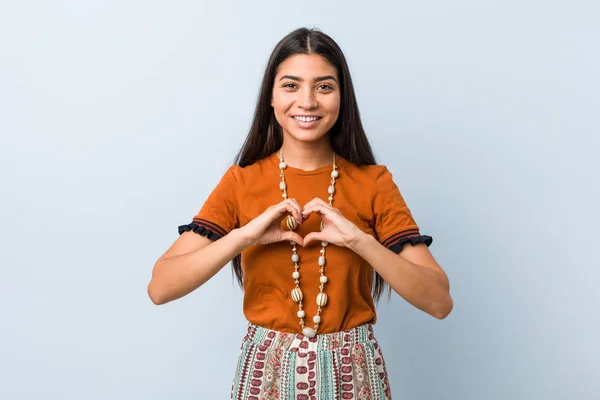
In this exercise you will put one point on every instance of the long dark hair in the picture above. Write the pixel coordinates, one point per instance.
(347, 135)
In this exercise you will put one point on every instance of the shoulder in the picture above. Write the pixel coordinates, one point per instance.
(367, 175)
(253, 171)
(373, 183)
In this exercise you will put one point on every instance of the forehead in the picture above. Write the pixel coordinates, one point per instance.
(306, 66)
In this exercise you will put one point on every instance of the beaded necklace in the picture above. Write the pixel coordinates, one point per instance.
(292, 224)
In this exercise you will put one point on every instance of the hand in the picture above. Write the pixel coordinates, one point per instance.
(338, 229)
(266, 228)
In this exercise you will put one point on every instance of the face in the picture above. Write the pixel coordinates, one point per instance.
(306, 97)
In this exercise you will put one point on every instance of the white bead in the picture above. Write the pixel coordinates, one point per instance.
(292, 243)
(300, 314)
(296, 275)
(321, 299)
(331, 190)
(322, 251)
(323, 279)
(324, 244)
(282, 185)
(295, 258)
(309, 332)
(322, 261)
(316, 319)
(284, 195)
(297, 295)
(282, 165)
(334, 174)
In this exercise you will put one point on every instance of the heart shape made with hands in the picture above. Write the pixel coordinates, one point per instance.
(289, 223)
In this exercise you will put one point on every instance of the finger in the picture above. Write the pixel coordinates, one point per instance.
(322, 209)
(303, 217)
(279, 213)
(299, 210)
(292, 236)
(291, 207)
(314, 201)
(314, 237)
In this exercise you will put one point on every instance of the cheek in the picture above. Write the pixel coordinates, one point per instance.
(281, 102)
(333, 105)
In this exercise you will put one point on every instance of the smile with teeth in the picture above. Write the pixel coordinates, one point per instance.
(302, 118)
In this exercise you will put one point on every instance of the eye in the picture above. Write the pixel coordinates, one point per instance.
(325, 86)
(289, 85)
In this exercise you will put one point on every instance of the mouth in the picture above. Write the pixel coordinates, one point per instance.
(306, 121)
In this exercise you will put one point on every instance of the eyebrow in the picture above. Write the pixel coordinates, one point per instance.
(317, 79)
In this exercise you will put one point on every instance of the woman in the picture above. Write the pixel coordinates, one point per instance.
(316, 230)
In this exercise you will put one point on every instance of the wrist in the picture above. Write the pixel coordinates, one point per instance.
(242, 238)
(360, 239)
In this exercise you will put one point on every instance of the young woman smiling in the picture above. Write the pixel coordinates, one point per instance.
(316, 230)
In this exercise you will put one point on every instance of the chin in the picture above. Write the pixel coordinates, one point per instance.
(306, 135)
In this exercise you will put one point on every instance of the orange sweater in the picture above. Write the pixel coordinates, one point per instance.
(366, 195)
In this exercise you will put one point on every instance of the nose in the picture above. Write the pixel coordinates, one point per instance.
(308, 99)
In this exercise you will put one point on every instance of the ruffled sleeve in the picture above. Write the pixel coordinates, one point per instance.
(393, 222)
(219, 214)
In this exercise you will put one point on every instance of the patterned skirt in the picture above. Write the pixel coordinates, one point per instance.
(290, 366)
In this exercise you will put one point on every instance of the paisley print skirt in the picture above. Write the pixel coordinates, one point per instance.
(290, 366)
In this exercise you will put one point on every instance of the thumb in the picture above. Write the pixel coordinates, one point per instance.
(292, 236)
(313, 237)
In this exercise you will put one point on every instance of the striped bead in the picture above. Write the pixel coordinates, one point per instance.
(297, 295)
(321, 299)
(291, 223)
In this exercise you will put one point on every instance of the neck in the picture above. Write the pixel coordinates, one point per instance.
(307, 156)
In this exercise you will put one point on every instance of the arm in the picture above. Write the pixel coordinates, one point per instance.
(193, 259)
(190, 262)
(413, 273)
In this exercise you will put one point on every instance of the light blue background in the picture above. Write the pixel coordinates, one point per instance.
(117, 118)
